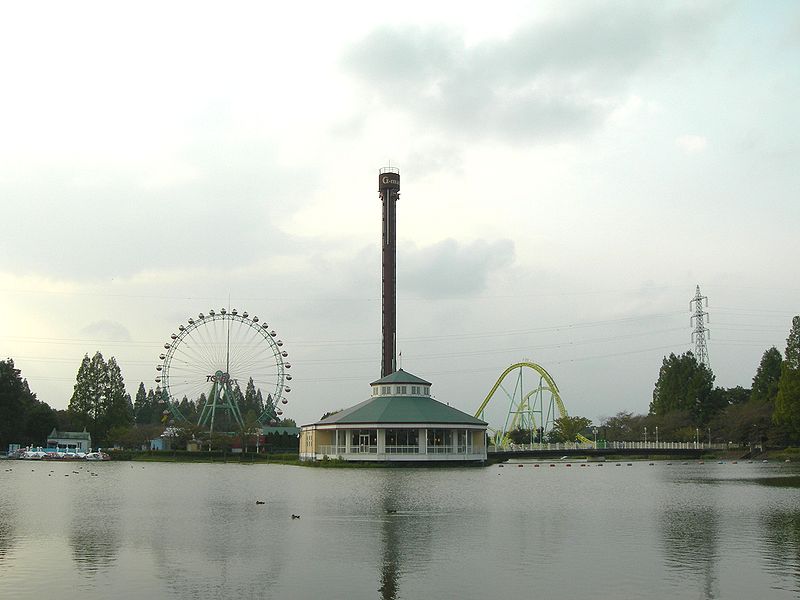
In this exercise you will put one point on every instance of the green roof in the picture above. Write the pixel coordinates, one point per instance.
(401, 376)
(401, 409)
(288, 430)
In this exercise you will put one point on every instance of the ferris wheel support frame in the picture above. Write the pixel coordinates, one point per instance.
(219, 396)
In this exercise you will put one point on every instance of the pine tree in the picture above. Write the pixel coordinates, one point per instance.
(250, 398)
(153, 413)
(141, 408)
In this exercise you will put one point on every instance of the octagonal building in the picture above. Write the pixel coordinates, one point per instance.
(400, 422)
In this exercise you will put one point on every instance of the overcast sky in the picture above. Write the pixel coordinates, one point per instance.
(570, 172)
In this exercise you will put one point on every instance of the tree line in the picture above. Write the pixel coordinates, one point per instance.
(100, 405)
(686, 406)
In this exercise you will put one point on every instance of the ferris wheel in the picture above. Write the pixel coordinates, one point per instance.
(213, 357)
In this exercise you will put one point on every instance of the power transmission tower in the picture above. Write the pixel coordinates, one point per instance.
(699, 319)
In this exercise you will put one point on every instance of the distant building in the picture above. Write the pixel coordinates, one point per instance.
(401, 422)
(70, 441)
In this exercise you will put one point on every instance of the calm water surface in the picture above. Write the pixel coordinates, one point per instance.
(195, 531)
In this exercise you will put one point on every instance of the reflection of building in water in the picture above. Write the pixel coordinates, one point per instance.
(691, 538)
(406, 533)
(400, 422)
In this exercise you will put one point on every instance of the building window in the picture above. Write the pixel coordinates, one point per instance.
(386, 390)
(402, 441)
(415, 389)
(426, 390)
(401, 389)
(440, 441)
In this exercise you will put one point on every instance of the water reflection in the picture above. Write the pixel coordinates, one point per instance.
(95, 529)
(781, 548)
(221, 546)
(7, 536)
(690, 538)
(405, 534)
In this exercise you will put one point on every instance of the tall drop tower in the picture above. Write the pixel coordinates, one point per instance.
(699, 319)
(389, 189)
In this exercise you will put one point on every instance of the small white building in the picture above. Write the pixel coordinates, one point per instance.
(400, 422)
(70, 441)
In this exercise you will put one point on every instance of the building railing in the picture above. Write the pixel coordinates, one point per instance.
(332, 450)
(407, 449)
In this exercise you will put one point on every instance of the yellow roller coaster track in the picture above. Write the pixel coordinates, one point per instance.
(545, 376)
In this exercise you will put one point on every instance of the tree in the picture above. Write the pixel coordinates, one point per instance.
(14, 400)
(249, 428)
(721, 398)
(787, 400)
(622, 427)
(141, 406)
(99, 401)
(88, 396)
(685, 385)
(23, 418)
(765, 381)
(250, 402)
(188, 409)
(566, 429)
(118, 410)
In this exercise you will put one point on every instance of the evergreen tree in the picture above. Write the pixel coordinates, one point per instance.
(765, 382)
(155, 404)
(259, 402)
(787, 400)
(89, 394)
(118, 409)
(141, 406)
(685, 385)
(250, 399)
(186, 407)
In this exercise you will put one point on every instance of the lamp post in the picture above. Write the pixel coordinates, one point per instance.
(645, 436)
(696, 437)
(594, 431)
(656, 435)
(709, 437)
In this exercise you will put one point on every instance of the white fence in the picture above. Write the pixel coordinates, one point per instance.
(614, 446)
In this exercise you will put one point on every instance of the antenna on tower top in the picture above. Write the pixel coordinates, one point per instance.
(699, 319)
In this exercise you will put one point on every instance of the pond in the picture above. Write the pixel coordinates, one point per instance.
(176, 530)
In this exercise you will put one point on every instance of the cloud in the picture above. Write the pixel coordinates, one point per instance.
(691, 144)
(106, 330)
(450, 268)
(549, 79)
(92, 220)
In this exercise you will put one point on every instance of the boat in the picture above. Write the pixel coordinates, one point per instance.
(97, 456)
